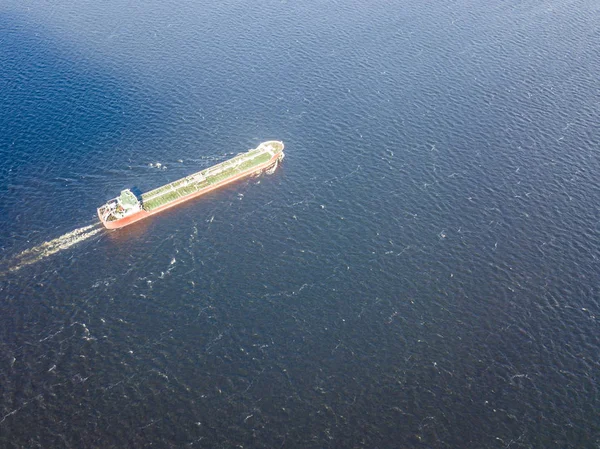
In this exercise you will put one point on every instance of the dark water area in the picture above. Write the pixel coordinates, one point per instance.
(420, 272)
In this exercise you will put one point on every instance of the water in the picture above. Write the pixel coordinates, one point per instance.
(421, 271)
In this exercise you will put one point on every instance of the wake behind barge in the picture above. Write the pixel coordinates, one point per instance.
(127, 208)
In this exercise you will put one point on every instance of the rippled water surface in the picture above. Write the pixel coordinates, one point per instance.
(420, 272)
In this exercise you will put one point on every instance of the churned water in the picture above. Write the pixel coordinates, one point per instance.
(421, 272)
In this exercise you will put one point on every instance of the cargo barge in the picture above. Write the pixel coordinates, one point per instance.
(127, 208)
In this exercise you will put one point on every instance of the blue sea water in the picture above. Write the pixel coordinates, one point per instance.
(421, 272)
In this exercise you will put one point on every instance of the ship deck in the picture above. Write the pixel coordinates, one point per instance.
(204, 178)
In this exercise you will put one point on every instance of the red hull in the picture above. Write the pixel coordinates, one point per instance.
(137, 216)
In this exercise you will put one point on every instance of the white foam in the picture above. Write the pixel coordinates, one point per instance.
(39, 252)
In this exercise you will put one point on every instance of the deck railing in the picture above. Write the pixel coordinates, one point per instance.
(197, 181)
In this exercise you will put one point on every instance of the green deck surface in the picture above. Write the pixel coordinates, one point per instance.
(190, 184)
